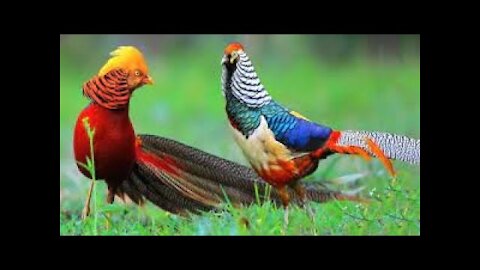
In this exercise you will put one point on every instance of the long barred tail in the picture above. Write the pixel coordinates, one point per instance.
(394, 146)
(179, 178)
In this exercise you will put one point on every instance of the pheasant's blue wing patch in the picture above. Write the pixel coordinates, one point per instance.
(305, 136)
(297, 133)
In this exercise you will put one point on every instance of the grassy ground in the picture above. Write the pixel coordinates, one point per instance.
(185, 104)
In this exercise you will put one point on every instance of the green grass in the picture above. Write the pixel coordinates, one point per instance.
(186, 104)
(394, 211)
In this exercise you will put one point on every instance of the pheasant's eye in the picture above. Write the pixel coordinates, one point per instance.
(137, 73)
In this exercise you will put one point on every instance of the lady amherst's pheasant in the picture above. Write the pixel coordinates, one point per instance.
(283, 146)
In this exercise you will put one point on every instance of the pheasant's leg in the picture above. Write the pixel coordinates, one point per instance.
(285, 197)
(110, 199)
(110, 195)
(302, 194)
(86, 208)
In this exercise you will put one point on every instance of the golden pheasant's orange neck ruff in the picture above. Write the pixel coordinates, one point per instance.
(110, 91)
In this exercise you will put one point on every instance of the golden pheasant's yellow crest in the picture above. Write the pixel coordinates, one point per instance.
(125, 57)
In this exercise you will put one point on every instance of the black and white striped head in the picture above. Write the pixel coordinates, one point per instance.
(240, 79)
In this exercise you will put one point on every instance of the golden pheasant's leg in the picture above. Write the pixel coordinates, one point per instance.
(86, 208)
(110, 195)
(110, 199)
(285, 197)
(302, 195)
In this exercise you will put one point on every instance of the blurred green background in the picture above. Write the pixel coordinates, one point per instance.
(364, 82)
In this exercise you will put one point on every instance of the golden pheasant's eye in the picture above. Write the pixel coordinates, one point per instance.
(137, 73)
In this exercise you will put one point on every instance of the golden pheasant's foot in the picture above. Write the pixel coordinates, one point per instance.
(86, 208)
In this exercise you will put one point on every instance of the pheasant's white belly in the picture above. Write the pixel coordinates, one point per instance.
(261, 149)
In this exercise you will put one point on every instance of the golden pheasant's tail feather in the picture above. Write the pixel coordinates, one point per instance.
(179, 178)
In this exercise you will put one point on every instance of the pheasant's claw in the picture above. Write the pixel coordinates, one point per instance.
(377, 151)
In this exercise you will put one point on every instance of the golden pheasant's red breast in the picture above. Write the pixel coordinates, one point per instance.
(114, 143)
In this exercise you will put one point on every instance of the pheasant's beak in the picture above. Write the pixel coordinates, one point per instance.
(147, 80)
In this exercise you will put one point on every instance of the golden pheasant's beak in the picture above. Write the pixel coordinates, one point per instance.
(147, 80)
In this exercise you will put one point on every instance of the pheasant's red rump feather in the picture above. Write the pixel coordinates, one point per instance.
(163, 163)
(234, 46)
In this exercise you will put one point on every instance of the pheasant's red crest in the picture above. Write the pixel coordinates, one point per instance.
(234, 46)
